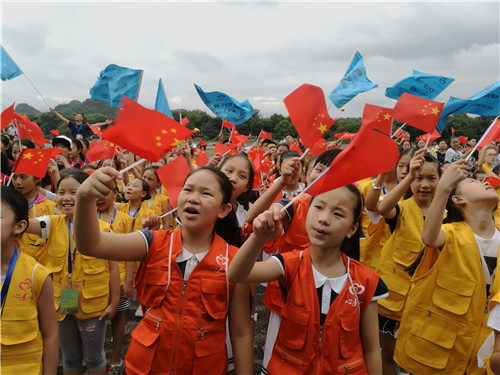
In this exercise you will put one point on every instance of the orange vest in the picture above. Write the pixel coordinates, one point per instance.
(184, 326)
(294, 238)
(305, 347)
(444, 322)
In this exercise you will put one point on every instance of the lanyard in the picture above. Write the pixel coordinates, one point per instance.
(70, 261)
(78, 127)
(8, 277)
(135, 213)
(34, 199)
(114, 215)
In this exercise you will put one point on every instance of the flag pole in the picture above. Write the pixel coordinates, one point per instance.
(133, 165)
(168, 213)
(306, 151)
(29, 80)
(400, 128)
(428, 141)
(305, 190)
(339, 114)
(479, 142)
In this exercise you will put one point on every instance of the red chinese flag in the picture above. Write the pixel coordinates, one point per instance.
(452, 131)
(462, 139)
(397, 133)
(235, 133)
(241, 139)
(33, 161)
(357, 161)
(418, 112)
(266, 165)
(202, 159)
(29, 129)
(295, 147)
(145, 132)
(264, 135)
(226, 124)
(492, 133)
(319, 147)
(435, 135)
(96, 130)
(101, 150)
(308, 113)
(7, 116)
(172, 176)
(55, 132)
(375, 117)
(224, 149)
(404, 137)
(202, 143)
(493, 181)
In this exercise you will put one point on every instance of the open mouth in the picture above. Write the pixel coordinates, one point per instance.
(319, 231)
(191, 211)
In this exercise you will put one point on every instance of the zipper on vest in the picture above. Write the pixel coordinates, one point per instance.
(202, 333)
(320, 344)
(178, 326)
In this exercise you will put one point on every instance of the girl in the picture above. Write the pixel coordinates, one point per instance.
(444, 321)
(86, 289)
(238, 168)
(75, 157)
(137, 194)
(454, 150)
(38, 205)
(120, 223)
(158, 203)
(181, 284)
(18, 147)
(29, 321)
(405, 220)
(329, 336)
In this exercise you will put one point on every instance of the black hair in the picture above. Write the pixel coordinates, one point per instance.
(80, 113)
(17, 203)
(477, 173)
(86, 141)
(153, 168)
(5, 166)
(79, 147)
(288, 154)
(73, 173)
(450, 139)
(350, 246)
(88, 167)
(5, 140)
(428, 158)
(283, 144)
(326, 157)
(115, 163)
(266, 141)
(496, 170)
(145, 187)
(227, 227)
(271, 143)
(28, 143)
(244, 197)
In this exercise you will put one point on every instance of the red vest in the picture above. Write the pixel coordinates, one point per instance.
(305, 347)
(294, 238)
(184, 326)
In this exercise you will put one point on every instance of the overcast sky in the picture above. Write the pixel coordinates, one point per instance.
(260, 51)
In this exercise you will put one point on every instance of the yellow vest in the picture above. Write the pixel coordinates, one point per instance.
(122, 224)
(31, 244)
(444, 322)
(22, 342)
(399, 251)
(90, 275)
(159, 202)
(144, 212)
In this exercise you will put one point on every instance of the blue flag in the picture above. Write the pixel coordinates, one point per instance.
(115, 81)
(354, 82)
(161, 104)
(9, 67)
(225, 107)
(420, 84)
(485, 103)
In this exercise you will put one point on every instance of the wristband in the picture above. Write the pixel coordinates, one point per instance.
(374, 187)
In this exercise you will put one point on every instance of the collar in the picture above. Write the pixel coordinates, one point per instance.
(336, 283)
(186, 255)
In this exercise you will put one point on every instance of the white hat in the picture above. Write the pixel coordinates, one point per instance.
(64, 140)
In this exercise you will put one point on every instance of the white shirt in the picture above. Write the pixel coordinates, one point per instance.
(335, 283)
(488, 247)
(191, 259)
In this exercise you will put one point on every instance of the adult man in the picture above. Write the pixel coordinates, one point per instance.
(78, 128)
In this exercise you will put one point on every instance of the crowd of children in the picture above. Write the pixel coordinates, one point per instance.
(391, 274)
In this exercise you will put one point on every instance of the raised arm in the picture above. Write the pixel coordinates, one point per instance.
(112, 246)
(372, 198)
(432, 234)
(387, 208)
(244, 267)
(59, 116)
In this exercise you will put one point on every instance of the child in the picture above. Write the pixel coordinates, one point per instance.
(329, 336)
(86, 289)
(137, 194)
(120, 223)
(494, 323)
(29, 320)
(38, 205)
(406, 221)
(157, 202)
(181, 284)
(444, 321)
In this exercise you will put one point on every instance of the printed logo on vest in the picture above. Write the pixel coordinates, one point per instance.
(221, 260)
(359, 289)
(25, 294)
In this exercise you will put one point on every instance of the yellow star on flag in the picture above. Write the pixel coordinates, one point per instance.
(387, 116)
(29, 155)
(322, 128)
(163, 131)
(175, 142)
(435, 111)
